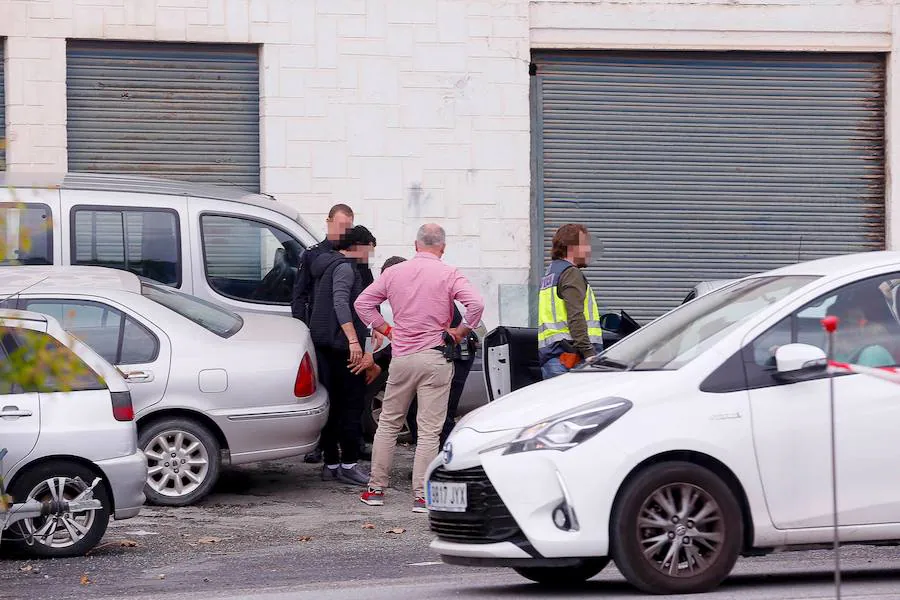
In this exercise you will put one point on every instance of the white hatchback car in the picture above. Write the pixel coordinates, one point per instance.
(209, 386)
(63, 436)
(700, 437)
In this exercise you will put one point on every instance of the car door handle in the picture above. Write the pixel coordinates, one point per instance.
(138, 376)
(14, 411)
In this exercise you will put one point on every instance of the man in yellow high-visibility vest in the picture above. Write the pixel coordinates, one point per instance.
(568, 318)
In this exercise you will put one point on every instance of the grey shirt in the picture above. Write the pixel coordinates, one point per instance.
(344, 276)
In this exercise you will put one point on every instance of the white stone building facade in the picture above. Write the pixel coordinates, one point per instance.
(416, 110)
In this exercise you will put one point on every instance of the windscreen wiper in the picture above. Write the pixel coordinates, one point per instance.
(604, 362)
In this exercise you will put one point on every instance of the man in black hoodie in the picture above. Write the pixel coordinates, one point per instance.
(340, 338)
(339, 221)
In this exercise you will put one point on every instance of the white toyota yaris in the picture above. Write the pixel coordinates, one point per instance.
(701, 437)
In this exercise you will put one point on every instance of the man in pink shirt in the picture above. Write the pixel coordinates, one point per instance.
(421, 292)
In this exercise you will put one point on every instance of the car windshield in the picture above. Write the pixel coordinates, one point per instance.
(675, 339)
(209, 316)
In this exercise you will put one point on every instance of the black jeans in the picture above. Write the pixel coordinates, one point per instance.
(461, 370)
(346, 394)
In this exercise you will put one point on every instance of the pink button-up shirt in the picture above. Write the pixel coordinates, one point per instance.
(421, 292)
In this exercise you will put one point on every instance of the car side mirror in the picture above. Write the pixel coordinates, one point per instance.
(796, 362)
(610, 322)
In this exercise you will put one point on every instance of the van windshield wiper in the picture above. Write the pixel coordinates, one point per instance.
(610, 363)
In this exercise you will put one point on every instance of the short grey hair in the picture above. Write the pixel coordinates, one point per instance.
(431, 234)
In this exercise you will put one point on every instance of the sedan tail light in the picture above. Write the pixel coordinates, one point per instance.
(305, 385)
(123, 410)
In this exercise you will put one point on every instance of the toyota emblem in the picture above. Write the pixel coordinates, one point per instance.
(448, 453)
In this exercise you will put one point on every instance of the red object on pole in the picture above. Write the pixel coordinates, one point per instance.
(830, 325)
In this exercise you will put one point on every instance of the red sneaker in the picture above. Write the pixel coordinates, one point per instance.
(419, 505)
(373, 497)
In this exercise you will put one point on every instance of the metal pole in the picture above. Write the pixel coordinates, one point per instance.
(830, 325)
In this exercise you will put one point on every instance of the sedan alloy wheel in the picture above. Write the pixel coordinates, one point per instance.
(182, 460)
(177, 463)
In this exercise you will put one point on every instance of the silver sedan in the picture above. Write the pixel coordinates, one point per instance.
(210, 386)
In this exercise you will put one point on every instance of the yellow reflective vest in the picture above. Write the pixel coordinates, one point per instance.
(553, 318)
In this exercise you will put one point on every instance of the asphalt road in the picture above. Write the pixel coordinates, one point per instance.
(276, 532)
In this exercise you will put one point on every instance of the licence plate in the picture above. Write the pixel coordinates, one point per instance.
(447, 497)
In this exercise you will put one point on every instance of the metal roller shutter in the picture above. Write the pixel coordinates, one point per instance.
(699, 166)
(180, 111)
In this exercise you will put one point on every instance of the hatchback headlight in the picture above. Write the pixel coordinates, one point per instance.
(567, 430)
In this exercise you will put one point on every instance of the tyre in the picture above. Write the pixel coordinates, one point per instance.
(371, 411)
(372, 407)
(70, 534)
(183, 461)
(560, 577)
(676, 529)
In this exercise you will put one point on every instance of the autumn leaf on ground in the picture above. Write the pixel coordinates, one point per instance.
(305, 538)
(209, 539)
(85, 580)
(396, 530)
(128, 544)
(26, 569)
(368, 526)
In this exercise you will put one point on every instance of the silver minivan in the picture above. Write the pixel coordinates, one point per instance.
(222, 245)
(61, 441)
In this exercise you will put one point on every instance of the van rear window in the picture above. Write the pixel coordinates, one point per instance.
(26, 234)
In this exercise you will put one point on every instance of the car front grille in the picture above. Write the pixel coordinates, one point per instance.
(486, 519)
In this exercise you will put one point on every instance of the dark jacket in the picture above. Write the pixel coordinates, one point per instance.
(301, 299)
(304, 283)
(324, 325)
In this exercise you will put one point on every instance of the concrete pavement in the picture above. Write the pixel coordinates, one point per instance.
(276, 532)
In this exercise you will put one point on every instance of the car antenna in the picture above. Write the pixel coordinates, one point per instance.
(24, 289)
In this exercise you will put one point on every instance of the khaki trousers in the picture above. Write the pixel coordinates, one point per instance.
(427, 375)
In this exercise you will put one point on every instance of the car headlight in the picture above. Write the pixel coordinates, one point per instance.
(567, 430)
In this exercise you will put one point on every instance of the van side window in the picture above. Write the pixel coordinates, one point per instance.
(249, 260)
(145, 242)
(116, 337)
(26, 234)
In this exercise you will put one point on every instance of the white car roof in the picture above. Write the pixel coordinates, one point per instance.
(839, 266)
(50, 279)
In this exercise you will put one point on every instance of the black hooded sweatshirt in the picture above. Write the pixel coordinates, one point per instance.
(324, 325)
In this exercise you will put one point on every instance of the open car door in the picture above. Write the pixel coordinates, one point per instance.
(510, 354)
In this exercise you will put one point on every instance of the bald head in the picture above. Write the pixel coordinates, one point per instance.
(431, 238)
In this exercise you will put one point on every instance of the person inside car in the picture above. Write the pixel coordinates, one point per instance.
(862, 336)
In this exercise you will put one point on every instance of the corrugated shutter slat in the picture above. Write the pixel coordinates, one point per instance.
(699, 166)
(182, 111)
